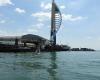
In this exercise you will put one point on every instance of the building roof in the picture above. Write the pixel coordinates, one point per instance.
(28, 38)
(32, 38)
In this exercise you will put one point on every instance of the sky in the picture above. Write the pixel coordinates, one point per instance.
(80, 26)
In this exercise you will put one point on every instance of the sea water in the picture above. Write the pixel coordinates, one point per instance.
(50, 66)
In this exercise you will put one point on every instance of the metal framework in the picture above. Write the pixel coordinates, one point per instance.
(56, 20)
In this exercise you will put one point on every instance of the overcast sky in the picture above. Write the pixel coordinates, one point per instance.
(80, 26)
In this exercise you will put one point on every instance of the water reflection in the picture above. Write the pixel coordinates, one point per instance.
(27, 62)
(53, 67)
(40, 67)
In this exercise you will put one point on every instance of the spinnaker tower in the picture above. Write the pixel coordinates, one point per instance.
(56, 20)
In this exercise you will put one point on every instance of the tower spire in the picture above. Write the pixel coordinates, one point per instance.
(56, 19)
(52, 36)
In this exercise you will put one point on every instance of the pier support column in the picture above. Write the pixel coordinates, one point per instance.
(25, 44)
(16, 42)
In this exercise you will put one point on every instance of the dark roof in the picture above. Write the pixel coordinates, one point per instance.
(32, 38)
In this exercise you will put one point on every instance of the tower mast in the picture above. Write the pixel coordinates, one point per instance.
(53, 27)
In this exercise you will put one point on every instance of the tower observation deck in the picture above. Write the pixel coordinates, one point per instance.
(56, 19)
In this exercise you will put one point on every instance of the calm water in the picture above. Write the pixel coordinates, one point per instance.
(50, 66)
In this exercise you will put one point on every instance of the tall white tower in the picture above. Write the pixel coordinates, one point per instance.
(56, 20)
(53, 27)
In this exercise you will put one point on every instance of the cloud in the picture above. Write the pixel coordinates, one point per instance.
(62, 7)
(7, 33)
(3, 33)
(5, 2)
(2, 21)
(38, 26)
(45, 16)
(19, 10)
(32, 30)
(89, 37)
(35, 28)
(69, 17)
(42, 16)
(47, 6)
